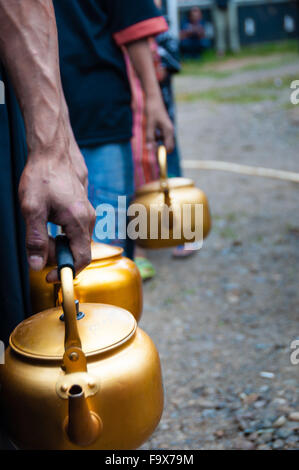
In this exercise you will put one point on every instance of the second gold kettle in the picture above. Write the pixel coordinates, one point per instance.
(171, 207)
(110, 279)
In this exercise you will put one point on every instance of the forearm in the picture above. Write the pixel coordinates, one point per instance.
(142, 60)
(29, 51)
(52, 184)
(157, 119)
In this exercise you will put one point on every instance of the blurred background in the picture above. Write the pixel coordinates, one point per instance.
(225, 319)
(258, 21)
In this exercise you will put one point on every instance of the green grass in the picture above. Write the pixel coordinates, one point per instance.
(288, 106)
(168, 301)
(276, 62)
(269, 83)
(259, 238)
(231, 217)
(204, 66)
(262, 90)
(242, 95)
(228, 233)
(188, 291)
(268, 48)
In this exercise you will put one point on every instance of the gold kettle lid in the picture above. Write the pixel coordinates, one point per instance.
(172, 183)
(102, 328)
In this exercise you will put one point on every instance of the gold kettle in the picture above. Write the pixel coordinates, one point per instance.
(85, 378)
(169, 204)
(110, 279)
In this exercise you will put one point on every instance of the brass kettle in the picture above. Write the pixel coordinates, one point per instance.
(110, 279)
(80, 378)
(169, 203)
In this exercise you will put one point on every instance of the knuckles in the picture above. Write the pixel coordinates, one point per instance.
(81, 214)
(31, 208)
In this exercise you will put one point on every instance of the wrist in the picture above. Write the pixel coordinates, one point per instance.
(48, 125)
(49, 141)
(153, 94)
(55, 150)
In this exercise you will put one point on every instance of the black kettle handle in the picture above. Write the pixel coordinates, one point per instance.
(64, 255)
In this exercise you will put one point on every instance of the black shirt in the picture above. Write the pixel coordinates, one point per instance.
(92, 66)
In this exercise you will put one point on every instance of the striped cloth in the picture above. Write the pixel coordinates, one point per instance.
(145, 160)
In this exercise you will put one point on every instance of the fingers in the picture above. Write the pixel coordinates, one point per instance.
(78, 228)
(160, 128)
(168, 135)
(51, 252)
(37, 239)
(52, 261)
(150, 132)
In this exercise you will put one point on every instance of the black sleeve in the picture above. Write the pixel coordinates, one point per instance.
(126, 13)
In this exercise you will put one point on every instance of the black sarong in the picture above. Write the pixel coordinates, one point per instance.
(14, 285)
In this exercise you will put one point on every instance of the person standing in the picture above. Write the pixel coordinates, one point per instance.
(225, 16)
(95, 82)
(46, 179)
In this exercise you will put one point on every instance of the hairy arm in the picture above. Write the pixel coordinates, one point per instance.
(28, 47)
(52, 184)
(157, 116)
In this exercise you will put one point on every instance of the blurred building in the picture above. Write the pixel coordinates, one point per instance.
(259, 20)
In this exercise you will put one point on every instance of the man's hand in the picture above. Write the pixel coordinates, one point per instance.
(50, 190)
(158, 124)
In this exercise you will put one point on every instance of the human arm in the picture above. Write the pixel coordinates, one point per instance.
(133, 23)
(157, 116)
(52, 186)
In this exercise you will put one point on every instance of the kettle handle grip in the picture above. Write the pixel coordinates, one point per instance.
(74, 359)
(162, 161)
(64, 255)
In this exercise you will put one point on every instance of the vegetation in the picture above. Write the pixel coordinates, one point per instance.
(258, 57)
(277, 53)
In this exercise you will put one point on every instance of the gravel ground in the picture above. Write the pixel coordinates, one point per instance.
(224, 319)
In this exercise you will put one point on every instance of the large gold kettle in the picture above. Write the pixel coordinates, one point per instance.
(89, 379)
(110, 279)
(167, 202)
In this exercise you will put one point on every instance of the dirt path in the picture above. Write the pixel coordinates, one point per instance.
(224, 319)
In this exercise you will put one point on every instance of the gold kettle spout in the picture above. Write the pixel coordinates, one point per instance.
(83, 426)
